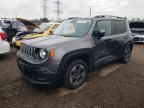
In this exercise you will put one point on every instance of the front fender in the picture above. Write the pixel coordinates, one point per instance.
(76, 54)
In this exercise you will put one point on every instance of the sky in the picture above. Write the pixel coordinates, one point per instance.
(32, 9)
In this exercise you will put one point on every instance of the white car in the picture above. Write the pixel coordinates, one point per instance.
(138, 38)
(137, 28)
(4, 45)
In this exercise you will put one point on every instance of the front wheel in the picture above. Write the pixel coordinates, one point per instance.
(126, 54)
(76, 74)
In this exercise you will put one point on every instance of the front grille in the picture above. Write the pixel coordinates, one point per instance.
(29, 51)
(141, 39)
(138, 39)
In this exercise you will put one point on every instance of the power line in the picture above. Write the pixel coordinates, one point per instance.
(58, 11)
(90, 9)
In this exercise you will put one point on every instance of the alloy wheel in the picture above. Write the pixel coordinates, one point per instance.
(77, 74)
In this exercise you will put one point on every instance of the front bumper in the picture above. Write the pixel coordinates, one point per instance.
(4, 47)
(38, 74)
(139, 39)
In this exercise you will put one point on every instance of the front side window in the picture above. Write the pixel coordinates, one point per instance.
(118, 27)
(73, 27)
(104, 25)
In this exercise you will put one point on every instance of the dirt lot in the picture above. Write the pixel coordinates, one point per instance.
(113, 86)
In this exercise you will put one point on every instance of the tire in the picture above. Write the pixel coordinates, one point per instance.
(76, 74)
(126, 54)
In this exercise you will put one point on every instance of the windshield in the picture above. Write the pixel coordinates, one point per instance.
(73, 28)
(6, 25)
(43, 27)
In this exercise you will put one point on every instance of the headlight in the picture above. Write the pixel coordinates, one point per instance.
(43, 54)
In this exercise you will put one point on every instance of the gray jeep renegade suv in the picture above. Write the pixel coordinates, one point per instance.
(76, 47)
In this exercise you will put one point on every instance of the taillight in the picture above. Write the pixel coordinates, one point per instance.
(3, 36)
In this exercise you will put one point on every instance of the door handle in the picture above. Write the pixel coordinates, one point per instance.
(111, 40)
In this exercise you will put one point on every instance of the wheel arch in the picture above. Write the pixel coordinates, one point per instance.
(82, 54)
(130, 43)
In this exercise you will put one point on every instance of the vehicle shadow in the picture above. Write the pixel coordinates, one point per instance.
(138, 43)
(3, 57)
(22, 87)
(60, 90)
(44, 89)
(8, 55)
(104, 70)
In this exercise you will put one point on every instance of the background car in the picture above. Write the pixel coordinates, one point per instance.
(19, 25)
(0, 23)
(48, 29)
(137, 28)
(4, 45)
(44, 29)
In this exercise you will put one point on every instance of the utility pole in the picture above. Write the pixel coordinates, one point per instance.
(15, 14)
(44, 2)
(58, 11)
(90, 11)
(90, 8)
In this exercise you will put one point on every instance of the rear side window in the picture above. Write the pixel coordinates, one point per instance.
(104, 25)
(118, 27)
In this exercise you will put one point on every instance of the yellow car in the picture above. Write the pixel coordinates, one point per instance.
(44, 29)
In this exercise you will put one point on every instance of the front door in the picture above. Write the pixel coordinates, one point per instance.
(104, 46)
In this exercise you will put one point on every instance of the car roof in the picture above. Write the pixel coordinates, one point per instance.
(101, 17)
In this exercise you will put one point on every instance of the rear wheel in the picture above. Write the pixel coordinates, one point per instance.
(76, 74)
(126, 54)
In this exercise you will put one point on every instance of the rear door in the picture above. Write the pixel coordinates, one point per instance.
(103, 47)
(119, 35)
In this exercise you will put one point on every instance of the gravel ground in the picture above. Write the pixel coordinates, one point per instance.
(112, 86)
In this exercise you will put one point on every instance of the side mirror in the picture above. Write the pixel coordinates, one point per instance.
(99, 34)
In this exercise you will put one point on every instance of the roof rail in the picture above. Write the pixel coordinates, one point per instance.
(73, 17)
(106, 16)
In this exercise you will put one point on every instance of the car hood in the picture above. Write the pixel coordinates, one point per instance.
(21, 34)
(29, 24)
(48, 41)
(30, 36)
